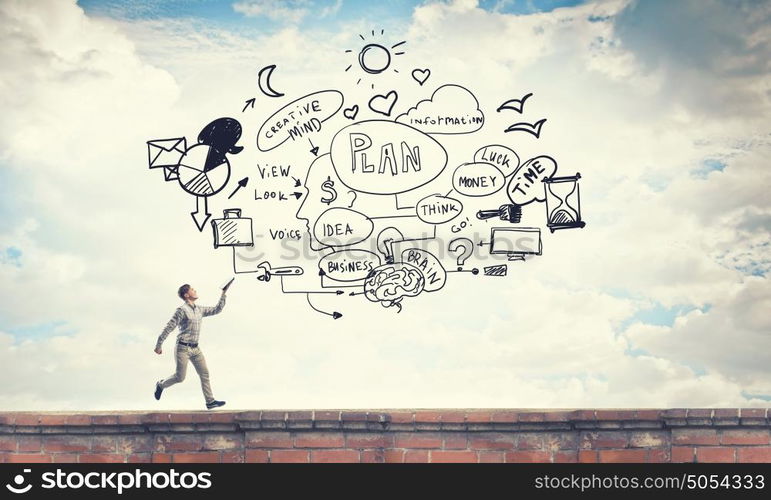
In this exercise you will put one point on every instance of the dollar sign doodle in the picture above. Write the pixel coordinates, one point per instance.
(328, 186)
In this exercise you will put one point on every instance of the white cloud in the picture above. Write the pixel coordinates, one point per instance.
(292, 11)
(105, 241)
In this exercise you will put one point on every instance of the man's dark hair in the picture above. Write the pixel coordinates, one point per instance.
(183, 290)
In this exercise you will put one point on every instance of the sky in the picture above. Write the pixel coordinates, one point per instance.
(661, 300)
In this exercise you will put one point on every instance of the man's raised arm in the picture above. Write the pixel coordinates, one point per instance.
(211, 311)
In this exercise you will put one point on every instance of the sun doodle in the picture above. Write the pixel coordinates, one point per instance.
(375, 58)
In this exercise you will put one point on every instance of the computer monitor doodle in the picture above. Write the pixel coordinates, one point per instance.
(515, 242)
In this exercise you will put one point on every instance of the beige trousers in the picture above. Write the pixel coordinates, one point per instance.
(195, 356)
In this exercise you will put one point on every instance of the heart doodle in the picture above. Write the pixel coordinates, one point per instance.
(383, 104)
(421, 75)
(351, 112)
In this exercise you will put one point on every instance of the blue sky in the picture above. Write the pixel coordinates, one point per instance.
(661, 300)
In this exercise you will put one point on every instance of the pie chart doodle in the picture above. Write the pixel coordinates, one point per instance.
(202, 171)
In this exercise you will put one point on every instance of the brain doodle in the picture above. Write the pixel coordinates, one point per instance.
(385, 208)
(390, 283)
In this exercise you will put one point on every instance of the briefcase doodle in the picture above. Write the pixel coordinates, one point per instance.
(233, 230)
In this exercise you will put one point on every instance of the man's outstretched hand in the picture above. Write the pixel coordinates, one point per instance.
(158, 350)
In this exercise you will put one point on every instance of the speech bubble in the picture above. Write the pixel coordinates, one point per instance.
(432, 269)
(438, 209)
(339, 227)
(525, 185)
(502, 157)
(349, 265)
(385, 157)
(299, 118)
(478, 179)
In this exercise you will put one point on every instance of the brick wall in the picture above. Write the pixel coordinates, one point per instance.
(674, 435)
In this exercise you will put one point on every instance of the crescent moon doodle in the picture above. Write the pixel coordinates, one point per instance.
(263, 80)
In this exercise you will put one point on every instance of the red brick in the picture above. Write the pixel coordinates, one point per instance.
(674, 413)
(530, 441)
(560, 441)
(232, 457)
(353, 416)
(139, 458)
(26, 419)
(221, 441)
(130, 419)
(587, 456)
(491, 457)
(46, 419)
(402, 417)
(65, 458)
(715, 454)
(334, 456)
(428, 417)
(327, 416)
(754, 455)
(66, 444)
(566, 457)
(443, 456)
(368, 440)
(682, 454)
(699, 413)
(505, 417)
(478, 417)
(221, 417)
(695, 436)
(268, 439)
(648, 414)
(649, 439)
(207, 457)
(532, 417)
(455, 441)
(416, 457)
(744, 437)
(9, 444)
(528, 456)
(156, 418)
(102, 420)
(180, 418)
(453, 417)
(78, 419)
(178, 442)
(103, 444)
(256, 456)
(418, 440)
(394, 456)
(557, 416)
(371, 457)
(604, 439)
(616, 414)
(726, 413)
(584, 416)
(623, 456)
(753, 413)
(273, 416)
(29, 443)
(492, 441)
(659, 456)
(161, 458)
(289, 456)
(139, 443)
(101, 458)
(319, 440)
(20, 458)
(299, 416)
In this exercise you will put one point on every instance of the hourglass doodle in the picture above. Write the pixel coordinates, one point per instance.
(563, 202)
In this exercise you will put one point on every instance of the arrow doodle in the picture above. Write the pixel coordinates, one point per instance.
(200, 217)
(249, 102)
(241, 183)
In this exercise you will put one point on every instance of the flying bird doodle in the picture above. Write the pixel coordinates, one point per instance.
(515, 104)
(530, 128)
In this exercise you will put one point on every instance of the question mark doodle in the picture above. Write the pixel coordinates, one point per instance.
(466, 246)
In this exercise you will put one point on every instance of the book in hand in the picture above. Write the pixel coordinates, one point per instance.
(227, 285)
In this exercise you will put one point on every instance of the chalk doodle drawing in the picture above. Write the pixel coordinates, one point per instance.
(382, 206)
